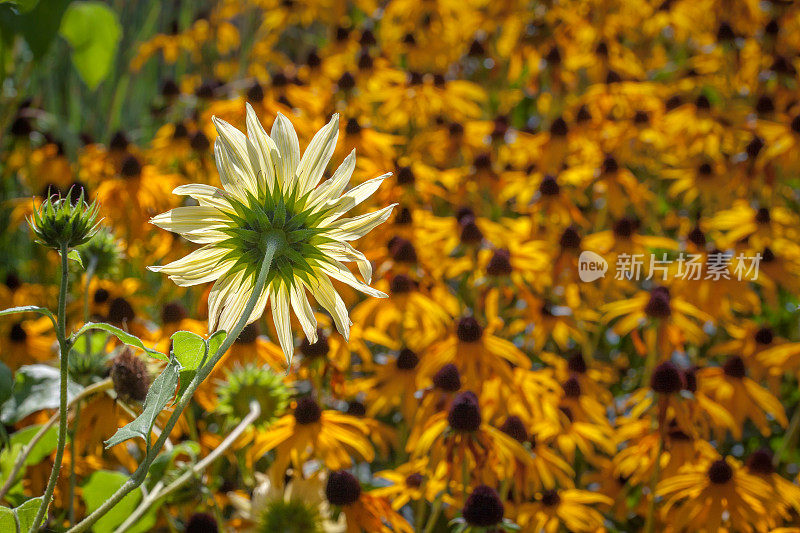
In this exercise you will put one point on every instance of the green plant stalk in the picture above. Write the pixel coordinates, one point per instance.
(64, 347)
(155, 495)
(138, 477)
(26, 451)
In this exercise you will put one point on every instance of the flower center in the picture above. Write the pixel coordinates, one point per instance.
(307, 411)
(18, 334)
(734, 367)
(447, 378)
(293, 516)
(317, 349)
(720, 472)
(342, 488)
(465, 414)
(514, 428)
(666, 378)
(407, 360)
(468, 330)
(483, 507)
(550, 498)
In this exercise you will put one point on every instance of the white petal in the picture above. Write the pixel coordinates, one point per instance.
(352, 198)
(350, 229)
(229, 175)
(317, 155)
(289, 148)
(219, 295)
(206, 195)
(261, 149)
(201, 266)
(283, 325)
(235, 144)
(196, 223)
(305, 315)
(334, 186)
(330, 300)
(339, 272)
(343, 251)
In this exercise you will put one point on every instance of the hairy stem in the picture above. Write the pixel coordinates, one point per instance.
(155, 495)
(64, 347)
(137, 478)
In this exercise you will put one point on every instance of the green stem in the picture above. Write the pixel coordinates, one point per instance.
(155, 495)
(64, 347)
(650, 524)
(789, 437)
(137, 478)
(434, 517)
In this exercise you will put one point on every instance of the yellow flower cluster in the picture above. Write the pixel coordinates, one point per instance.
(592, 271)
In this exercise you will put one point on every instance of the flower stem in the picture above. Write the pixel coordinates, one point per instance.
(64, 347)
(155, 495)
(138, 477)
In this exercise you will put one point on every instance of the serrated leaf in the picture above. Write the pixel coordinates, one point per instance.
(93, 31)
(95, 493)
(124, 336)
(161, 392)
(36, 387)
(215, 341)
(75, 256)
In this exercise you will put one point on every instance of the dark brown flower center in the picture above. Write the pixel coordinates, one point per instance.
(307, 411)
(319, 348)
(342, 488)
(760, 462)
(407, 360)
(468, 330)
(514, 428)
(658, 306)
(465, 413)
(764, 336)
(448, 378)
(720, 472)
(550, 498)
(483, 507)
(734, 367)
(667, 378)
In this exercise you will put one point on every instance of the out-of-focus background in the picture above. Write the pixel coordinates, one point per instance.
(499, 385)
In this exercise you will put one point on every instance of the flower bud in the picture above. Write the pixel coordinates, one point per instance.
(59, 223)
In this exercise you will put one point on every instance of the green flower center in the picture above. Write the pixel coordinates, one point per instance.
(281, 219)
(290, 517)
(249, 383)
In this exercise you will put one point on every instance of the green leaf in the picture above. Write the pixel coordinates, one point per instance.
(189, 349)
(124, 336)
(215, 341)
(75, 256)
(6, 382)
(29, 309)
(161, 392)
(38, 26)
(36, 387)
(166, 460)
(21, 518)
(26, 513)
(7, 520)
(93, 31)
(100, 485)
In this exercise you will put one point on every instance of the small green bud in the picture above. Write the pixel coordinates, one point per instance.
(59, 222)
(103, 251)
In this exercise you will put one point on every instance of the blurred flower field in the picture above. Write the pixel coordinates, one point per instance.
(574, 301)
